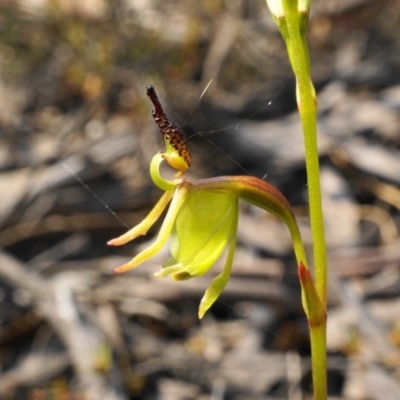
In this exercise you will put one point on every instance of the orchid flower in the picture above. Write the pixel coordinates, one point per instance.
(202, 217)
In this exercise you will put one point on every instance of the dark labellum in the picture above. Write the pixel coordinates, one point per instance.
(172, 132)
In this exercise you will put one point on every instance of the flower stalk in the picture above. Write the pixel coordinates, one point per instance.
(291, 17)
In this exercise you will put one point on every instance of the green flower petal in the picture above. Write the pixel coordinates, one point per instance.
(202, 230)
(176, 203)
(219, 282)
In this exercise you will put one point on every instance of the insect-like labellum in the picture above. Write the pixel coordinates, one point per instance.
(172, 133)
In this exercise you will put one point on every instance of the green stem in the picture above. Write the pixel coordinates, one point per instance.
(293, 26)
(306, 100)
(318, 360)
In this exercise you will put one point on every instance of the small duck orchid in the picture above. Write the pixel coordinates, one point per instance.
(202, 218)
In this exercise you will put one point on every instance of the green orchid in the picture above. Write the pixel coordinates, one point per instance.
(202, 218)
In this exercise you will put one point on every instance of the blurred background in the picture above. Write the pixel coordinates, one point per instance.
(76, 139)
